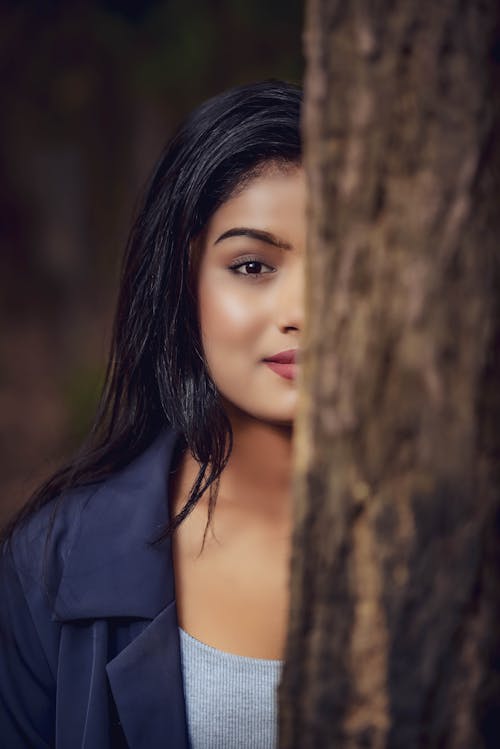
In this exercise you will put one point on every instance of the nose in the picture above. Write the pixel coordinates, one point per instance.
(290, 303)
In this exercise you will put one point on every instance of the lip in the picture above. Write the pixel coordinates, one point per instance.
(284, 363)
(284, 357)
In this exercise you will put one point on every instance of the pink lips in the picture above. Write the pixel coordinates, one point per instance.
(284, 363)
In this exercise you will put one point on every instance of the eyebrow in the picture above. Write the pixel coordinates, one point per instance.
(261, 236)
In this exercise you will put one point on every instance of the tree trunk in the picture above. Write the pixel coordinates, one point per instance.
(394, 637)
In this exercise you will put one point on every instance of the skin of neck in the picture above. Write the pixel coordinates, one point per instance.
(257, 477)
(256, 481)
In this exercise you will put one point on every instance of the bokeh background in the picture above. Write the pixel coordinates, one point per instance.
(89, 93)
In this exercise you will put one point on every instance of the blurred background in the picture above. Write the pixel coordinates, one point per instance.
(89, 93)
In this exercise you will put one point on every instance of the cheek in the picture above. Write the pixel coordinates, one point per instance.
(228, 316)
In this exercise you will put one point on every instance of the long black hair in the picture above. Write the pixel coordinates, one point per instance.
(157, 375)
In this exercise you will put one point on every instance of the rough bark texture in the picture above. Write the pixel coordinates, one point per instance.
(394, 637)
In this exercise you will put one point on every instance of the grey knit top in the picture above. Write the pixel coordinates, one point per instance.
(231, 700)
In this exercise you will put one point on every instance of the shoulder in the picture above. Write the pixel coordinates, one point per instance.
(84, 558)
(29, 576)
(39, 546)
(48, 536)
(84, 549)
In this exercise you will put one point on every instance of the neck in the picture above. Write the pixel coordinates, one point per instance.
(258, 473)
(256, 479)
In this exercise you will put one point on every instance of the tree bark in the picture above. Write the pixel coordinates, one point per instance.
(394, 636)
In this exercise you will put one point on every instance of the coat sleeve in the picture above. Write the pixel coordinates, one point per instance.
(27, 684)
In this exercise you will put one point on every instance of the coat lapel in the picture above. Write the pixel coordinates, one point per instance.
(146, 682)
(113, 572)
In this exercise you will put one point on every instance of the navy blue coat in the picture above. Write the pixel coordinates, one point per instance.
(90, 653)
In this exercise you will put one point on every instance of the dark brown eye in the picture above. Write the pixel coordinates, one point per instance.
(253, 267)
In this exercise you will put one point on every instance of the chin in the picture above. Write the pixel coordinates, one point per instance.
(282, 423)
(247, 412)
(283, 418)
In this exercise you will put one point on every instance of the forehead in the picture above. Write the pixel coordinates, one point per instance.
(274, 199)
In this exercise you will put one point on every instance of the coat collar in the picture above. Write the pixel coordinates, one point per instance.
(147, 686)
(111, 568)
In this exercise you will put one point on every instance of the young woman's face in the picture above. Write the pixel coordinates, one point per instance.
(250, 294)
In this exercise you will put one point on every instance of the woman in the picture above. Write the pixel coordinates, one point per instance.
(144, 588)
